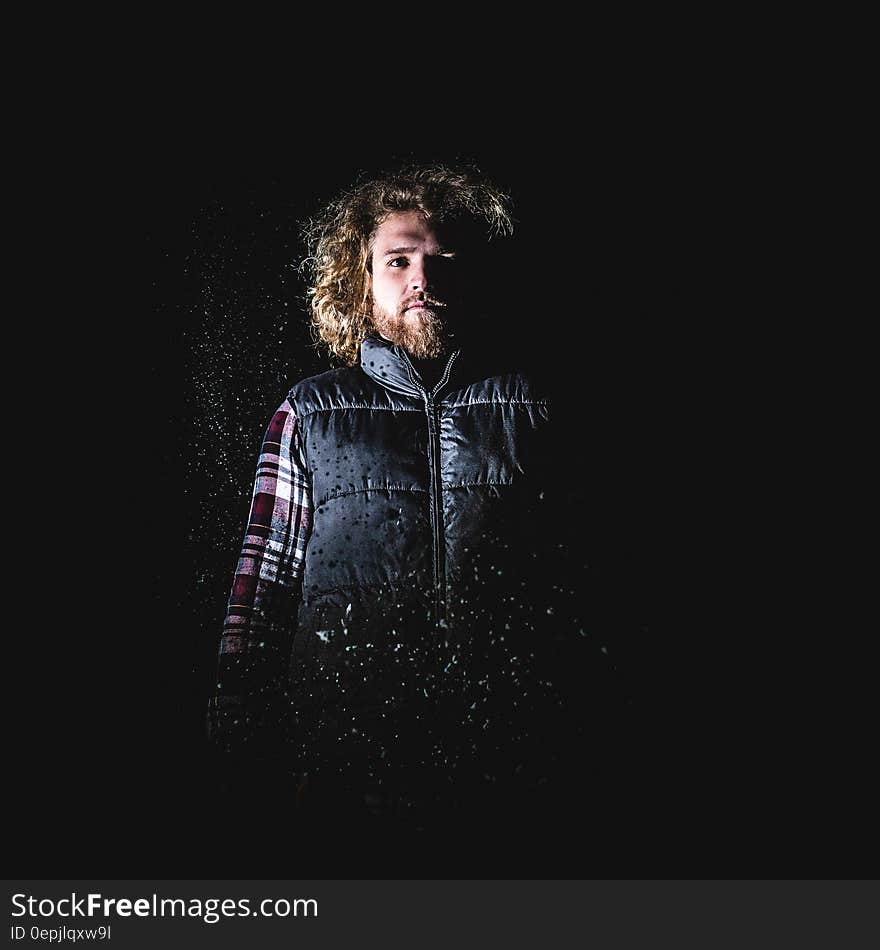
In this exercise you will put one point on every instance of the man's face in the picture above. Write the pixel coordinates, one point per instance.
(417, 284)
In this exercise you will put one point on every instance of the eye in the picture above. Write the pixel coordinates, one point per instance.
(398, 262)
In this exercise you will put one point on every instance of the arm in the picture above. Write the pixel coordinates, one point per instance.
(248, 706)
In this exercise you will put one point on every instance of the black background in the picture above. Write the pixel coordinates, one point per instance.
(184, 336)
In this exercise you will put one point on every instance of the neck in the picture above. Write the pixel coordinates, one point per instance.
(430, 369)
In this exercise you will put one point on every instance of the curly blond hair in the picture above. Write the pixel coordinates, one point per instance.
(339, 241)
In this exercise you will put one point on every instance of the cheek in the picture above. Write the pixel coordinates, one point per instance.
(386, 287)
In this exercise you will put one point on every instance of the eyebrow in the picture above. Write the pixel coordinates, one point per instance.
(410, 250)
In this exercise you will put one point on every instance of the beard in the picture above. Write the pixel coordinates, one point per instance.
(424, 334)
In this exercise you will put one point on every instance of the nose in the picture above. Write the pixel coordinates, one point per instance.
(418, 277)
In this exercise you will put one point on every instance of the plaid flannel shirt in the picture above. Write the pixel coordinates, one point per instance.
(266, 589)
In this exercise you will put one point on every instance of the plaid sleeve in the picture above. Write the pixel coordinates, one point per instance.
(261, 613)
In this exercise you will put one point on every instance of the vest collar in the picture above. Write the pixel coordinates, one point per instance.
(388, 365)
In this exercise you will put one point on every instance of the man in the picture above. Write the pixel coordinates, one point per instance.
(390, 622)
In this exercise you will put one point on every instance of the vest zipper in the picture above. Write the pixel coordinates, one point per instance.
(439, 545)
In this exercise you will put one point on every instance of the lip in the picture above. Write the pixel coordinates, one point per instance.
(417, 306)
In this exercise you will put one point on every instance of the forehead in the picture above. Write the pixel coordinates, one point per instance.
(404, 227)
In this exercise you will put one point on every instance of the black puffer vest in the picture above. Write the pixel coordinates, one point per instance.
(425, 504)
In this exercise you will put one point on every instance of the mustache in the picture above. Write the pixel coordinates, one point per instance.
(424, 299)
